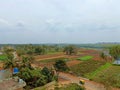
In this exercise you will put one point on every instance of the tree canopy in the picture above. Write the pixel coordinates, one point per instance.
(115, 51)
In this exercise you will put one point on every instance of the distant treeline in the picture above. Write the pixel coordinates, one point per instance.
(98, 45)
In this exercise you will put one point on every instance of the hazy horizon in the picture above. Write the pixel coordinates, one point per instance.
(59, 21)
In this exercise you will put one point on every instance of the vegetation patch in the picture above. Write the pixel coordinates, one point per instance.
(93, 74)
(109, 76)
(53, 60)
(86, 67)
(72, 86)
(61, 65)
(85, 58)
(3, 57)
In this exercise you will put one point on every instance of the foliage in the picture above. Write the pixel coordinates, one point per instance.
(69, 50)
(49, 75)
(72, 86)
(85, 58)
(7, 49)
(86, 67)
(36, 77)
(9, 62)
(3, 57)
(53, 60)
(30, 49)
(103, 56)
(60, 65)
(26, 62)
(115, 51)
(39, 50)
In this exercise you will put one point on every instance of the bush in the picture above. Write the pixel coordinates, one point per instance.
(60, 65)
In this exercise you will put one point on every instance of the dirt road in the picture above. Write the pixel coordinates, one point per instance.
(61, 56)
(89, 85)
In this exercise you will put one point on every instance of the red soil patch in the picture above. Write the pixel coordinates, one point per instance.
(48, 56)
(73, 62)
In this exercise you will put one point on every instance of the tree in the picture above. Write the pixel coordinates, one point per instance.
(103, 56)
(69, 50)
(45, 71)
(10, 62)
(115, 51)
(35, 77)
(39, 50)
(60, 65)
(26, 62)
(8, 50)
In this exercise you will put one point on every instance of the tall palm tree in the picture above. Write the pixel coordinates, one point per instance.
(26, 62)
(10, 62)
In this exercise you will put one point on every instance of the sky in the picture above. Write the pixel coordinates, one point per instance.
(59, 21)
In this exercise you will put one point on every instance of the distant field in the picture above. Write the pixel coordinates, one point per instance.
(85, 58)
(50, 53)
(3, 57)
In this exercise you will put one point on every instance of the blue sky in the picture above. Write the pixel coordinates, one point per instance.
(59, 21)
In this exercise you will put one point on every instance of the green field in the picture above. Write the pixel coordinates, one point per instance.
(71, 86)
(86, 67)
(3, 57)
(53, 60)
(109, 76)
(85, 58)
(101, 68)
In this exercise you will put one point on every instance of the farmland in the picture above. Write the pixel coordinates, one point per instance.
(109, 76)
(86, 64)
(85, 58)
(3, 57)
(86, 67)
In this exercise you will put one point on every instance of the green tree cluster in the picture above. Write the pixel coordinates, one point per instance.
(69, 50)
(61, 65)
(36, 49)
(115, 51)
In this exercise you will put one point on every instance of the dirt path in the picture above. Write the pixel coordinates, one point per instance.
(61, 56)
(89, 85)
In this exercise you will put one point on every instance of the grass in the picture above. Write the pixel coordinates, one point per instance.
(93, 74)
(53, 60)
(71, 86)
(3, 57)
(86, 67)
(85, 58)
(52, 53)
(109, 76)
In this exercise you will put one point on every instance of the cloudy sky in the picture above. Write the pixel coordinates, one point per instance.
(59, 21)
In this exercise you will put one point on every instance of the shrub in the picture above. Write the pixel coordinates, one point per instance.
(60, 65)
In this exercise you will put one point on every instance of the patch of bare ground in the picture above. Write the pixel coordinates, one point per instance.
(73, 62)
